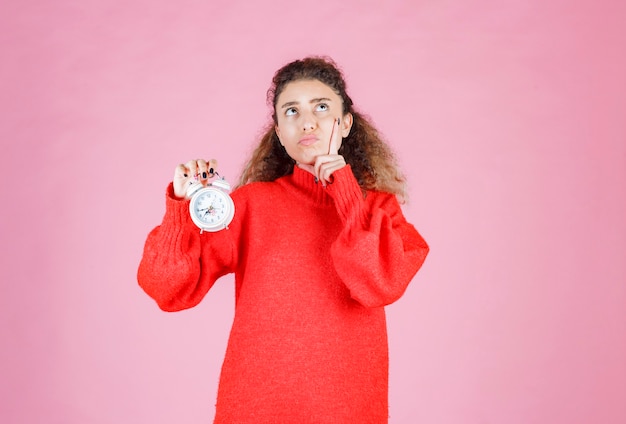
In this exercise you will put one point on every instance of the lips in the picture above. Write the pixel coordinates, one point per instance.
(308, 140)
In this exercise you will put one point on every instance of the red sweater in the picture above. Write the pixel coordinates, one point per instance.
(314, 267)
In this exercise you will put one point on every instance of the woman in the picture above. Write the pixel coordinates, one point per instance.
(318, 246)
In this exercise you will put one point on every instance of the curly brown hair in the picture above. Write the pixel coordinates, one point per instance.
(372, 161)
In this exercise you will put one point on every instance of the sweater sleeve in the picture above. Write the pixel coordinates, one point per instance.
(179, 265)
(378, 252)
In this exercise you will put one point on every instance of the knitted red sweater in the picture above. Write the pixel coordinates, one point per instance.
(314, 267)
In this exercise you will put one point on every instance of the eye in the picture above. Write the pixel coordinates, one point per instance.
(322, 107)
(290, 111)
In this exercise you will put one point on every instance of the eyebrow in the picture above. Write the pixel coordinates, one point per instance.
(316, 100)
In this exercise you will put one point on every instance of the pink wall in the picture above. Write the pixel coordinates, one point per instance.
(509, 119)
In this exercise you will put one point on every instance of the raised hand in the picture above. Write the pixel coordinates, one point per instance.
(325, 165)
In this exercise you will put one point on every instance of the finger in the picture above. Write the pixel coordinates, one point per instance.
(328, 174)
(180, 176)
(326, 169)
(212, 167)
(335, 138)
(307, 167)
(181, 180)
(192, 168)
(180, 172)
(321, 160)
(203, 170)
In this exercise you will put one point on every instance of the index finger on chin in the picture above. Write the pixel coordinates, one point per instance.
(333, 148)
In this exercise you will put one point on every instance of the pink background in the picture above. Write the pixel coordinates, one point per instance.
(509, 118)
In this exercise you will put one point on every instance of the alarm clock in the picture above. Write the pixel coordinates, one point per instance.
(211, 207)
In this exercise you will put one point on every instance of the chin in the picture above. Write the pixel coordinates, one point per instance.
(305, 160)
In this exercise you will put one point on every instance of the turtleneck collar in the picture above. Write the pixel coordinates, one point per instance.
(306, 186)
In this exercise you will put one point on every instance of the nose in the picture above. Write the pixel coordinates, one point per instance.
(308, 121)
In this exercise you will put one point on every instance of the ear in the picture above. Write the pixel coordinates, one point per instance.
(346, 124)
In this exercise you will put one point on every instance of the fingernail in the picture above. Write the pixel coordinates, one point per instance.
(211, 171)
(204, 175)
(185, 175)
(338, 121)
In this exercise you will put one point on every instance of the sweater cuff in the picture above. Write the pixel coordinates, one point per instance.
(176, 210)
(348, 197)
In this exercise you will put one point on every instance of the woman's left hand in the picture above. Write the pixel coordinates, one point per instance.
(325, 165)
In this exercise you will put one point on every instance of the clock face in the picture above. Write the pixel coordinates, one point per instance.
(211, 209)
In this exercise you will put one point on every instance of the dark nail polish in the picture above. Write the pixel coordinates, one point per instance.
(211, 171)
(338, 121)
(204, 175)
(185, 175)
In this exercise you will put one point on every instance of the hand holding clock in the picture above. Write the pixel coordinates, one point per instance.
(210, 206)
(190, 172)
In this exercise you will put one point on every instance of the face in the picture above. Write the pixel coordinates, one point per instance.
(306, 111)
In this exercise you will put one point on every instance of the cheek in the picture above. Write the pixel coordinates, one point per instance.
(284, 130)
(277, 131)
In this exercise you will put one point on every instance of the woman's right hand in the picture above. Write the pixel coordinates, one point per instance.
(190, 172)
